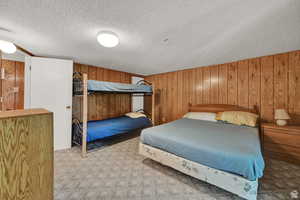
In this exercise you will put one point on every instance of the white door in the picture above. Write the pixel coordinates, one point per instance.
(51, 88)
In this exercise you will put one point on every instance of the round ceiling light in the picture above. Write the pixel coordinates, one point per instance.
(7, 47)
(108, 39)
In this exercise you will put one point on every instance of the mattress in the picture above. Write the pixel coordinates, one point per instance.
(103, 86)
(113, 126)
(227, 147)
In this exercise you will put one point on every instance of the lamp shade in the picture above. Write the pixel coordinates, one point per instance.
(281, 114)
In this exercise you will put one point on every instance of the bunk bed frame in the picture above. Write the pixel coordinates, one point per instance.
(85, 93)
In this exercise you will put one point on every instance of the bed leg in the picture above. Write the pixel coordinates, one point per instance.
(252, 195)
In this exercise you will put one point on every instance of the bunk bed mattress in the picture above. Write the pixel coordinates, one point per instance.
(104, 128)
(103, 86)
(227, 147)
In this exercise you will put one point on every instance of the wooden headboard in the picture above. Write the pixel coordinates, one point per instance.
(219, 108)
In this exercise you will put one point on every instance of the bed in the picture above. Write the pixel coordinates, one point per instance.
(85, 131)
(226, 155)
(100, 129)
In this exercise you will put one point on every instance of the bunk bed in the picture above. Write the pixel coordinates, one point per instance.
(85, 131)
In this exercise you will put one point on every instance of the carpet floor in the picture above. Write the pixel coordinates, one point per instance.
(118, 172)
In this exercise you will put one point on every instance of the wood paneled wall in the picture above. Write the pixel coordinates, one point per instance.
(12, 87)
(102, 106)
(268, 82)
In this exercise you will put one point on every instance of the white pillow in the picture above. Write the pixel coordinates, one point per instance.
(135, 115)
(208, 116)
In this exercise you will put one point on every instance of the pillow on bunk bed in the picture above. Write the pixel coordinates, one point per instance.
(207, 116)
(135, 114)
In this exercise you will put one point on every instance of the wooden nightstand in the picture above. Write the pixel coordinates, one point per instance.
(281, 142)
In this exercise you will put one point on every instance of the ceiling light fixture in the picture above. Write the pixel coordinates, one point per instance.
(108, 39)
(7, 47)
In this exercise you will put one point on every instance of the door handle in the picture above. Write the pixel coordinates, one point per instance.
(68, 107)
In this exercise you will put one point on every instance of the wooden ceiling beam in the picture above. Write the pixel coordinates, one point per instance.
(24, 50)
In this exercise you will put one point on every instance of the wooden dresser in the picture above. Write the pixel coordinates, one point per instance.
(26, 155)
(281, 142)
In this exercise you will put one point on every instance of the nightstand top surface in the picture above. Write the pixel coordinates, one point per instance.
(287, 127)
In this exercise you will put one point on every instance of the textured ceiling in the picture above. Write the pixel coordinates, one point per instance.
(155, 36)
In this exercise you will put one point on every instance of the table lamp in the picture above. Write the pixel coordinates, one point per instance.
(281, 116)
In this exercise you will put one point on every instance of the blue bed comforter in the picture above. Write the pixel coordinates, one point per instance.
(227, 147)
(113, 126)
(104, 86)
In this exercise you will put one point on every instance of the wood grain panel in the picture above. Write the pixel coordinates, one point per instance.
(1, 81)
(85, 68)
(174, 96)
(157, 98)
(180, 94)
(199, 84)
(19, 97)
(206, 85)
(266, 82)
(254, 83)
(76, 67)
(294, 86)
(214, 85)
(8, 85)
(185, 91)
(164, 87)
(169, 96)
(223, 72)
(281, 62)
(192, 80)
(243, 83)
(232, 84)
(267, 88)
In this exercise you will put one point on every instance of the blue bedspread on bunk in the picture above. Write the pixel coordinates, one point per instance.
(103, 86)
(113, 126)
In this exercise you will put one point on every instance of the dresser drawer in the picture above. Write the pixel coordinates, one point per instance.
(272, 136)
(282, 131)
(283, 156)
(281, 148)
